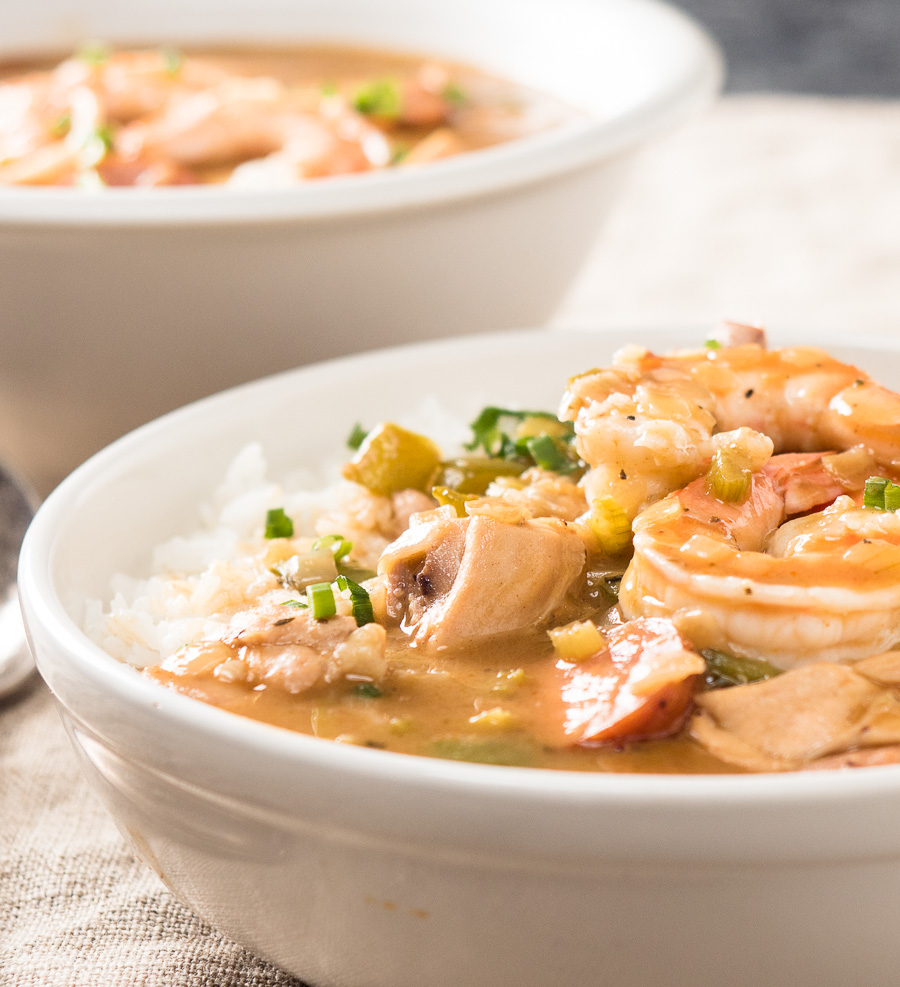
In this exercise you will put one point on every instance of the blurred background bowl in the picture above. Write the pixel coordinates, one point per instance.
(117, 306)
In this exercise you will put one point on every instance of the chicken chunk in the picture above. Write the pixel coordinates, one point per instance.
(789, 721)
(453, 582)
(289, 649)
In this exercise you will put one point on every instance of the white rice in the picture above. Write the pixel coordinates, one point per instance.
(197, 581)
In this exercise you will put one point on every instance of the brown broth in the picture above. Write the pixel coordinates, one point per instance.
(492, 111)
(426, 705)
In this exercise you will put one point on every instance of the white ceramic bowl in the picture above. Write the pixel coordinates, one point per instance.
(362, 868)
(118, 306)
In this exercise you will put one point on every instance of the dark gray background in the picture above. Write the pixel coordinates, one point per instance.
(829, 47)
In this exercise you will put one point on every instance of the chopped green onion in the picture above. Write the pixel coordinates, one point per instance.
(321, 600)
(97, 145)
(380, 98)
(713, 344)
(360, 601)
(356, 437)
(296, 604)
(546, 453)
(304, 569)
(62, 124)
(367, 689)
(357, 573)
(496, 430)
(874, 492)
(729, 476)
(576, 641)
(278, 524)
(724, 670)
(454, 94)
(94, 52)
(338, 545)
(173, 60)
(457, 500)
(537, 437)
(399, 153)
(892, 497)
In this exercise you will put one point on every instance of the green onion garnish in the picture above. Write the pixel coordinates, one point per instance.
(454, 94)
(398, 153)
(321, 600)
(874, 492)
(94, 52)
(172, 60)
(61, 125)
(360, 601)
(379, 99)
(546, 453)
(97, 145)
(367, 689)
(713, 344)
(526, 436)
(338, 545)
(356, 438)
(296, 604)
(278, 524)
(726, 670)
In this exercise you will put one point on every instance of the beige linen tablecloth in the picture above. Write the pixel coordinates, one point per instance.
(777, 209)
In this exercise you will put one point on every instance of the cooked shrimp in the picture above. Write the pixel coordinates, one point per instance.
(261, 119)
(736, 578)
(645, 425)
(130, 84)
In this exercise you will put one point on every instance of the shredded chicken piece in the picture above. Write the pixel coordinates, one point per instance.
(786, 722)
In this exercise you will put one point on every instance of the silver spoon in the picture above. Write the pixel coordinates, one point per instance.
(17, 506)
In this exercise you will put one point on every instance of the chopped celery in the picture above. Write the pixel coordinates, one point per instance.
(729, 476)
(577, 641)
(609, 524)
(393, 459)
(457, 500)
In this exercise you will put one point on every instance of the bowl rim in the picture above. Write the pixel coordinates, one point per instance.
(42, 604)
(573, 145)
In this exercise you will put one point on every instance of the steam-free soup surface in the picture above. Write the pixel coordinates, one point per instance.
(252, 117)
